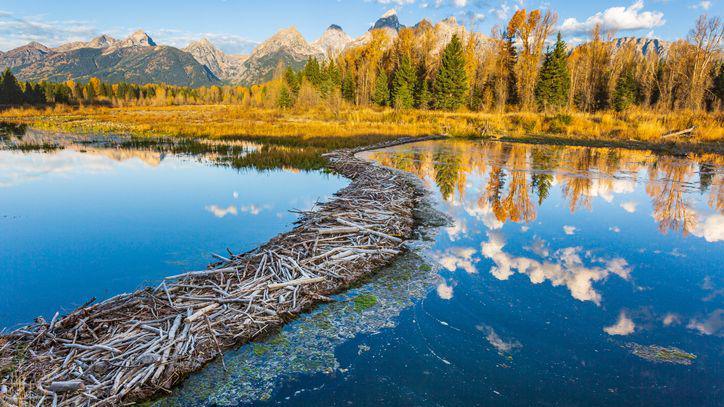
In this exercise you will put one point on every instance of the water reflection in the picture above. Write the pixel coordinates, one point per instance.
(511, 181)
(90, 216)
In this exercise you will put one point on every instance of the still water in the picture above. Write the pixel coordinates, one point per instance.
(83, 217)
(565, 276)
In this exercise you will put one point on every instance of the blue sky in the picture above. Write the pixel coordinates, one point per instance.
(236, 25)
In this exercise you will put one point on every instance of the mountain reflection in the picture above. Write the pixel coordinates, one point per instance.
(513, 180)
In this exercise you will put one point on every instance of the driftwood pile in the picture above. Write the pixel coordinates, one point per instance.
(133, 346)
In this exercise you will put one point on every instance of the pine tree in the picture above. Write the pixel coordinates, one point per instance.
(10, 91)
(451, 83)
(403, 84)
(293, 81)
(285, 100)
(554, 81)
(626, 92)
(381, 95)
(313, 72)
(348, 91)
(422, 88)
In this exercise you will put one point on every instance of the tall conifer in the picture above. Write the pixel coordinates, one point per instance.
(451, 83)
(554, 81)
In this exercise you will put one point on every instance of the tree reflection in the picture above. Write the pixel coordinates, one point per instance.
(507, 175)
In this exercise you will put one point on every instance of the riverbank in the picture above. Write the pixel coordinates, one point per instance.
(349, 128)
(132, 346)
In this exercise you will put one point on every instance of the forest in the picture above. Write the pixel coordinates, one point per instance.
(516, 68)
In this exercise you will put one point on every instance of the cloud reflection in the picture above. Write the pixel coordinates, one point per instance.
(624, 326)
(566, 269)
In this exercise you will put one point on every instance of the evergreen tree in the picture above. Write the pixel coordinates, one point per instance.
(293, 81)
(451, 83)
(348, 88)
(10, 91)
(403, 84)
(381, 95)
(422, 89)
(626, 92)
(554, 81)
(718, 86)
(285, 100)
(313, 72)
(511, 61)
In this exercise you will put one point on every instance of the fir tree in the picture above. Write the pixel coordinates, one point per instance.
(554, 82)
(626, 92)
(313, 72)
(285, 100)
(403, 84)
(451, 83)
(422, 89)
(348, 88)
(381, 95)
(293, 81)
(10, 91)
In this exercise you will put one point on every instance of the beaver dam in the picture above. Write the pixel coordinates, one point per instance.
(132, 346)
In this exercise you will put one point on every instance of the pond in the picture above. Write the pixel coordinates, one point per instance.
(565, 276)
(84, 217)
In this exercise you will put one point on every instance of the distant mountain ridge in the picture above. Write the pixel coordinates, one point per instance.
(139, 59)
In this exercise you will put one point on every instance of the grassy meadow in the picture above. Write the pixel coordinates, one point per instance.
(348, 126)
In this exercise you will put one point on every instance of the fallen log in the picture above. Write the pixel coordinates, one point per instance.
(680, 133)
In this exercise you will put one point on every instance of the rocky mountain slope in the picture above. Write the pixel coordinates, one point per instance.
(139, 59)
(287, 46)
(645, 45)
(135, 59)
(225, 66)
(333, 41)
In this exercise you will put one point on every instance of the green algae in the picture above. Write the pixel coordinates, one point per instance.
(364, 301)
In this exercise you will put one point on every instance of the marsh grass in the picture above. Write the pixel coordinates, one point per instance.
(350, 127)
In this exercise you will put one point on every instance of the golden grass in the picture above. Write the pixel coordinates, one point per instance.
(350, 122)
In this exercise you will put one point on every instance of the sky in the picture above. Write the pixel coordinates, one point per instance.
(236, 26)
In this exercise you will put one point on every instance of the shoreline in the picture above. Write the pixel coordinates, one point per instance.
(133, 346)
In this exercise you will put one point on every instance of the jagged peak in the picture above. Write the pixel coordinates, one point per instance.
(335, 27)
(36, 45)
(450, 20)
(388, 20)
(389, 13)
(139, 37)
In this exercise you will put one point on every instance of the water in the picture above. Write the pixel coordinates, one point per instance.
(91, 217)
(561, 267)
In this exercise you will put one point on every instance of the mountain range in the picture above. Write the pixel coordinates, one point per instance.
(139, 59)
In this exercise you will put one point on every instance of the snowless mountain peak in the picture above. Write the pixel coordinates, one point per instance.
(139, 38)
(333, 41)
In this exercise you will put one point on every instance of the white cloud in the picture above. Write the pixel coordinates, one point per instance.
(220, 212)
(711, 228)
(618, 18)
(671, 319)
(624, 326)
(458, 258)
(703, 5)
(629, 206)
(712, 325)
(444, 291)
(569, 230)
(16, 31)
(502, 346)
(615, 229)
(567, 268)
